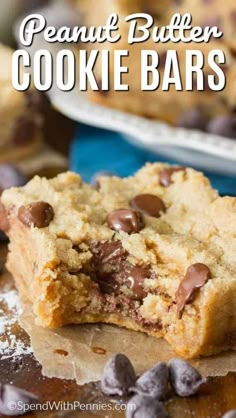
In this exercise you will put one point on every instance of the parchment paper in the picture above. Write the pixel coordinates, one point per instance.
(80, 351)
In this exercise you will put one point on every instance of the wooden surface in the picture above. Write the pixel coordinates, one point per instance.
(217, 397)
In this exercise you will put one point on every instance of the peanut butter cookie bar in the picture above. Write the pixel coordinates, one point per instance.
(153, 253)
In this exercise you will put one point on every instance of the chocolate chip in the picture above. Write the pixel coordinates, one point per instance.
(193, 119)
(148, 204)
(125, 220)
(136, 279)
(23, 131)
(141, 406)
(185, 379)
(154, 382)
(118, 376)
(95, 179)
(223, 126)
(13, 400)
(230, 414)
(109, 265)
(10, 176)
(38, 214)
(111, 269)
(196, 277)
(165, 175)
(107, 252)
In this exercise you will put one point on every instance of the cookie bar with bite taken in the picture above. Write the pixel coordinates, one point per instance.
(154, 253)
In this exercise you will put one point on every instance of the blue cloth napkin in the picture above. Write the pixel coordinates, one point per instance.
(95, 150)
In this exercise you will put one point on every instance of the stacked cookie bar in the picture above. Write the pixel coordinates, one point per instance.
(20, 115)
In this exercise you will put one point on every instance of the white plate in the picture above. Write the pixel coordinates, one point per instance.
(194, 148)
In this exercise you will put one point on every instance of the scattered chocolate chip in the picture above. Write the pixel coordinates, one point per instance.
(125, 220)
(223, 126)
(136, 278)
(165, 175)
(196, 277)
(4, 223)
(23, 131)
(193, 119)
(118, 376)
(230, 414)
(141, 406)
(184, 379)
(148, 204)
(95, 179)
(13, 400)
(10, 176)
(38, 214)
(154, 382)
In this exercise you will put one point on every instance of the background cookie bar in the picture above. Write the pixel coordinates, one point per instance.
(204, 12)
(20, 118)
(153, 253)
(121, 7)
(170, 105)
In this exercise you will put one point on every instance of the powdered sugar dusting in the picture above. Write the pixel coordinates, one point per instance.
(11, 299)
(11, 344)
